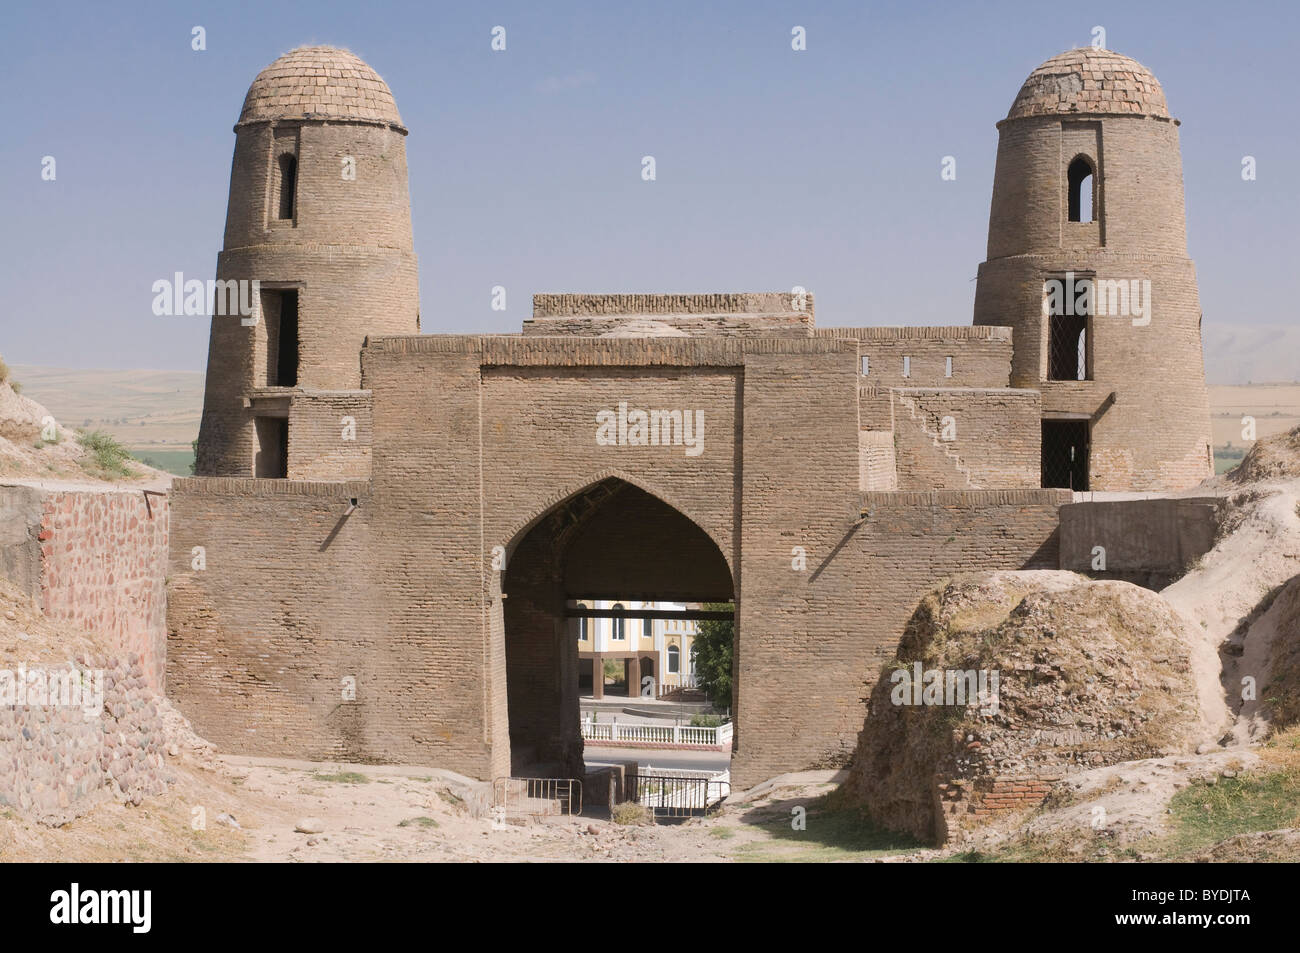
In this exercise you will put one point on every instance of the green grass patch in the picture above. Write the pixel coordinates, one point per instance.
(1204, 814)
(344, 777)
(829, 834)
(107, 456)
(418, 822)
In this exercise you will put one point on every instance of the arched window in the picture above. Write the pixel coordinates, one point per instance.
(1081, 189)
(582, 629)
(620, 624)
(674, 660)
(287, 169)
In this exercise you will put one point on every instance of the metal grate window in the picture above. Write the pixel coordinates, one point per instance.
(1067, 355)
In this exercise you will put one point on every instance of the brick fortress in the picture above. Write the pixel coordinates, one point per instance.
(375, 560)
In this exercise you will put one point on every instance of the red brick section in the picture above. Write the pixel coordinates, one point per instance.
(103, 563)
(963, 805)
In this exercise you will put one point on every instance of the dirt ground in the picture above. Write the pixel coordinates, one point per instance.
(393, 813)
(247, 810)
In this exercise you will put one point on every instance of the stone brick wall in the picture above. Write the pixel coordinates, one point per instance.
(923, 461)
(746, 315)
(329, 435)
(878, 470)
(875, 407)
(460, 498)
(995, 431)
(282, 610)
(981, 356)
(96, 560)
(1149, 542)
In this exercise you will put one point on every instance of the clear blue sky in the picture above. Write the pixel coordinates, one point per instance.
(775, 168)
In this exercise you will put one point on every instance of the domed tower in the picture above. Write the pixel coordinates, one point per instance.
(1087, 263)
(319, 216)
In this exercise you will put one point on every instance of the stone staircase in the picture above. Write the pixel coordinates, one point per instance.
(944, 448)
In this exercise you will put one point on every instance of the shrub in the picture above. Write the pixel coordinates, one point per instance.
(110, 456)
(629, 812)
(707, 721)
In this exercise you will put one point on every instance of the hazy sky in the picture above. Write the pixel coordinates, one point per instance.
(775, 168)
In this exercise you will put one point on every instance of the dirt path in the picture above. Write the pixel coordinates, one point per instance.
(245, 809)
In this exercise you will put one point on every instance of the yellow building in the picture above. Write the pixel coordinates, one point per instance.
(655, 653)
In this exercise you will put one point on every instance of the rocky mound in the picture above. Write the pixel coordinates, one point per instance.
(20, 417)
(1075, 674)
(78, 725)
(1273, 458)
(1279, 625)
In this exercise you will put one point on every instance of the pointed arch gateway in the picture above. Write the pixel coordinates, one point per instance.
(611, 540)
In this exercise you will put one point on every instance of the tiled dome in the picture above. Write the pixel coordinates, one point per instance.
(1090, 80)
(319, 82)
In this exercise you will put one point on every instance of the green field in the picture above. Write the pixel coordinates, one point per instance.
(1227, 458)
(177, 462)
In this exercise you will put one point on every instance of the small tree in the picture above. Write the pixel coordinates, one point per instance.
(712, 651)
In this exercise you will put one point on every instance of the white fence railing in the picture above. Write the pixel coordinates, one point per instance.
(678, 792)
(657, 734)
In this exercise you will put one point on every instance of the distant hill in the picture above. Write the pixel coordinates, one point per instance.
(154, 414)
(1255, 354)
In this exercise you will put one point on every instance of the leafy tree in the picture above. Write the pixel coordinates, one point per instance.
(711, 652)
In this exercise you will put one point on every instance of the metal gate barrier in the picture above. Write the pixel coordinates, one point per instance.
(536, 797)
(679, 796)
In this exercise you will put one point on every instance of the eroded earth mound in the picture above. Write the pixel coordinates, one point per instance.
(1076, 674)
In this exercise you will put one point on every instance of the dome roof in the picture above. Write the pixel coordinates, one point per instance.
(319, 82)
(1090, 80)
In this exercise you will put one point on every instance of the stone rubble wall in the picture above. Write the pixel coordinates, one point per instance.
(57, 761)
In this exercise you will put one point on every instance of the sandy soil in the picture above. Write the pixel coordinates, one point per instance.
(249, 809)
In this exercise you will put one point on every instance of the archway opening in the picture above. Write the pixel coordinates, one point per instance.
(602, 598)
(1081, 182)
